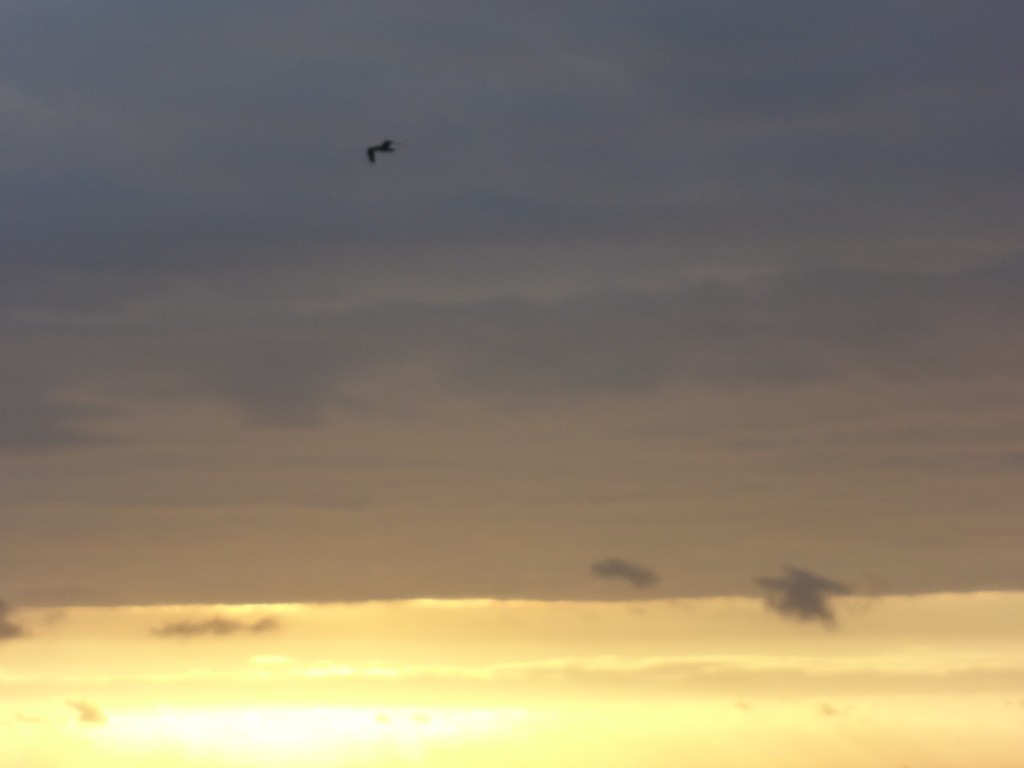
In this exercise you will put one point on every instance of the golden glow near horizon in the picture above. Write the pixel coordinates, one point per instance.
(932, 681)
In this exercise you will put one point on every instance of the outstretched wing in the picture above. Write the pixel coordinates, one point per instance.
(370, 151)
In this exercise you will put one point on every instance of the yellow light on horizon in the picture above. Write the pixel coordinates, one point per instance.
(447, 684)
(371, 735)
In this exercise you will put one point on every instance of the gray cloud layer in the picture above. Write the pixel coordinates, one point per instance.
(149, 210)
(657, 258)
(288, 368)
(231, 148)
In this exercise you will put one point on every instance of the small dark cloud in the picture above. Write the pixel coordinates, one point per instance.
(217, 626)
(802, 595)
(88, 713)
(615, 568)
(8, 629)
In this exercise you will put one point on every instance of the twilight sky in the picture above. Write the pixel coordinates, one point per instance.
(710, 682)
(659, 298)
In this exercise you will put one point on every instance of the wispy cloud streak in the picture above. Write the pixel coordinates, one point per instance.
(616, 568)
(217, 626)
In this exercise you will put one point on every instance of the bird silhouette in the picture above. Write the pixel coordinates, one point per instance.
(387, 145)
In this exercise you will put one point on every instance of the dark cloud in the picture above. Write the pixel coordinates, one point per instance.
(9, 630)
(599, 208)
(217, 626)
(88, 712)
(795, 328)
(231, 152)
(291, 366)
(616, 568)
(802, 595)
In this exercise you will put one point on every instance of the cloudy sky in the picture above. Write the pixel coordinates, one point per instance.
(703, 288)
(657, 301)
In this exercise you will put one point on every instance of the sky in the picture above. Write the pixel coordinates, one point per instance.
(657, 304)
(711, 682)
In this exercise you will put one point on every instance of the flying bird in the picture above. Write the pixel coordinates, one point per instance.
(385, 146)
